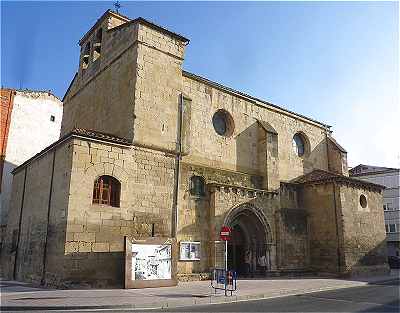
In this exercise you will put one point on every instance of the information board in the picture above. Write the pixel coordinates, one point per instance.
(150, 262)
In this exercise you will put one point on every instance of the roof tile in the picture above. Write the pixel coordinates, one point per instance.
(321, 176)
(100, 135)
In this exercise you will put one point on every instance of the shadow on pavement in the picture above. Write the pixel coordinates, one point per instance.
(392, 306)
(182, 295)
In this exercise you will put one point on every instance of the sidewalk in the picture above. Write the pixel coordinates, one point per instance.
(20, 296)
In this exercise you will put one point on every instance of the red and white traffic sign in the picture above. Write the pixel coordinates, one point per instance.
(225, 233)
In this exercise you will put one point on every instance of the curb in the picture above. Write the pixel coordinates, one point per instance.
(174, 304)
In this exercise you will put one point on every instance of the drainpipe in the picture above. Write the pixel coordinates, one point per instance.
(178, 156)
(19, 227)
(48, 219)
(327, 150)
(337, 227)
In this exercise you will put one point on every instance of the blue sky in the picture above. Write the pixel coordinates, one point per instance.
(337, 62)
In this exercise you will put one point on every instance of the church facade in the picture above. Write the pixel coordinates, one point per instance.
(148, 149)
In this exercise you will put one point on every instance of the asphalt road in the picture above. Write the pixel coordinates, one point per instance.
(383, 297)
(372, 298)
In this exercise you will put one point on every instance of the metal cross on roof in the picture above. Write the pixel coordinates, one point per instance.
(117, 6)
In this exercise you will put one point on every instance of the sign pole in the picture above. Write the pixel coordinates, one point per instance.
(225, 234)
(226, 266)
(226, 255)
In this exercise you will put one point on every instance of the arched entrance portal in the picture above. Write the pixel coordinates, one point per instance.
(250, 241)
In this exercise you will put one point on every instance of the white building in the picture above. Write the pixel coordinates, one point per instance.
(31, 121)
(390, 178)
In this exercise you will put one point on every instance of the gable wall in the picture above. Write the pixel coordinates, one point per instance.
(239, 152)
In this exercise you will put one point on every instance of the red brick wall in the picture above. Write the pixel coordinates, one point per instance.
(6, 104)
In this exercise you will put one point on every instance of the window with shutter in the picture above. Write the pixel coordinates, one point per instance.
(106, 190)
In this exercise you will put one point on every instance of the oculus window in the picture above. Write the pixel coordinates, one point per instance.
(223, 123)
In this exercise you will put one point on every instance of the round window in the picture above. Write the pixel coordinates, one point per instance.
(298, 144)
(363, 201)
(223, 123)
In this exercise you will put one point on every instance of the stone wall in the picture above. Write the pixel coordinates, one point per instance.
(95, 233)
(324, 226)
(8, 251)
(158, 88)
(292, 223)
(200, 218)
(337, 158)
(347, 236)
(138, 72)
(364, 249)
(105, 91)
(39, 205)
(239, 151)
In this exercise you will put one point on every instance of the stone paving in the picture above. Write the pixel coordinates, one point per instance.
(16, 295)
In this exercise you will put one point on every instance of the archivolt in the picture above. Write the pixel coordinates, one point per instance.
(103, 168)
(247, 208)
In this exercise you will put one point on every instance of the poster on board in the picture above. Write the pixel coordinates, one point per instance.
(150, 262)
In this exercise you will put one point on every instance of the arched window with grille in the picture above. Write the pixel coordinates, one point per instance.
(197, 186)
(106, 190)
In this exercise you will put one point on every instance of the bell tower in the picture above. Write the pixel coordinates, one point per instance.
(128, 81)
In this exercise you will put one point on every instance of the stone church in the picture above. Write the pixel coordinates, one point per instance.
(148, 149)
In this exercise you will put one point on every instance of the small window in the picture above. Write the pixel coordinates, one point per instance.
(86, 56)
(97, 45)
(392, 228)
(106, 191)
(223, 123)
(197, 186)
(363, 201)
(299, 144)
(384, 207)
(52, 118)
(387, 228)
(190, 251)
